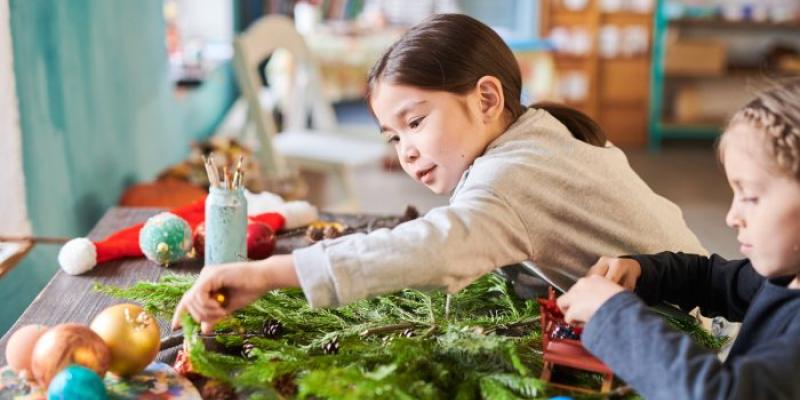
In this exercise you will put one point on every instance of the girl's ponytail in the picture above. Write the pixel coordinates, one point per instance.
(579, 124)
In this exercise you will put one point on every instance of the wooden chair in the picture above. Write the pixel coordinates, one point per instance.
(566, 352)
(319, 150)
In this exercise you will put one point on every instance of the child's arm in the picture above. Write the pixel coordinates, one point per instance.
(448, 248)
(661, 363)
(717, 286)
(241, 283)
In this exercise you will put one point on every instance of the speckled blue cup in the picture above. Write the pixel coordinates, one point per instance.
(226, 226)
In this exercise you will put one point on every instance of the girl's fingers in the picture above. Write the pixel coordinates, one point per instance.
(176, 318)
(569, 317)
(599, 268)
(630, 282)
(198, 303)
(563, 301)
(615, 274)
(202, 312)
(180, 310)
(207, 328)
(209, 306)
(192, 310)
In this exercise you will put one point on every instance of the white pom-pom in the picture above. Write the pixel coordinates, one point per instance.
(77, 256)
(298, 213)
(259, 203)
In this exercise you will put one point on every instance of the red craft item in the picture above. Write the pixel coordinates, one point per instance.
(564, 351)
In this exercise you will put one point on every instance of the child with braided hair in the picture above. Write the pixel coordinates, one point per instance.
(760, 151)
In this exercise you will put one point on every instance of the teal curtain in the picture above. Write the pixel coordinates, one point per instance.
(97, 112)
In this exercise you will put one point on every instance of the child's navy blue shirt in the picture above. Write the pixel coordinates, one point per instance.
(661, 363)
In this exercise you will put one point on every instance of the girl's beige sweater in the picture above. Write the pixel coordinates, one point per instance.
(535, 194)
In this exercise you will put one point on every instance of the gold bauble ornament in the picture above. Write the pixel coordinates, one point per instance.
(131, 334)
(67, 344)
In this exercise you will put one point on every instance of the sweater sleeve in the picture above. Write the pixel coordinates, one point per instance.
(719, 287)
(661, 363)
(447, 248)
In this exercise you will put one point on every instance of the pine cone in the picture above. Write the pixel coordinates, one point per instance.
(331, 347)
(314, 233)
(272, 328)
(247, 351)
(330, 232)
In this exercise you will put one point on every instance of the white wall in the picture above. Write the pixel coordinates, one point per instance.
(13, 212)
(206, 20)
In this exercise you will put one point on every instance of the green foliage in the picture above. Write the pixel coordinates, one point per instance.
(399, 346)
(696, 331)
(159, 298)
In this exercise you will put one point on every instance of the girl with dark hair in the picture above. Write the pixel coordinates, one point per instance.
(539, 184)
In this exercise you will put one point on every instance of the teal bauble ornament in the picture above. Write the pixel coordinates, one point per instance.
(165, 238)
(77, 382)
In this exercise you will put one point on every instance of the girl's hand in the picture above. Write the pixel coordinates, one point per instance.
(584, 298)
(623, 271)
(241, 283)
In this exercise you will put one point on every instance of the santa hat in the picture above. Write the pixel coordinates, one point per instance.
(81, 254)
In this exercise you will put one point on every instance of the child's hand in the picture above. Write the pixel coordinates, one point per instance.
(584, 298)
(241, 283)
(623, 271)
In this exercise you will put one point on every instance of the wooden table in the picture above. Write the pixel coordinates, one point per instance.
(68, 298)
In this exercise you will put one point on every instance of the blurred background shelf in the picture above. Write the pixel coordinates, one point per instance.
(602, 61)
(719, 23)
(710, 57)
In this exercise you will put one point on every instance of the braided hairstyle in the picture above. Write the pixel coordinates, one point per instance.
(775, 113)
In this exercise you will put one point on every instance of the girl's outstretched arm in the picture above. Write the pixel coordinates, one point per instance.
(238, 284)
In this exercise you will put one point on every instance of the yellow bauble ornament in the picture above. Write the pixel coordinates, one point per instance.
(131, 334)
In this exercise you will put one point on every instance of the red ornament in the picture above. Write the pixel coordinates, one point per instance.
(199, 239)
(260, 241)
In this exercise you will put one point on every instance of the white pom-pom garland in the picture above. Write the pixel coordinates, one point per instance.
(259, 203)
(77, 256)
(298, 213)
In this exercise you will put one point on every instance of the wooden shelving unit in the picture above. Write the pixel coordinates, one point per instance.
(618, 88)
(718, 23)
(661, 124)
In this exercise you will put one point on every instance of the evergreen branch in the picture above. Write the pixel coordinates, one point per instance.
(489, 347)
(386, 329)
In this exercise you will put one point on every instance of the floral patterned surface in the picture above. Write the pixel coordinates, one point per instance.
(158, 382)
